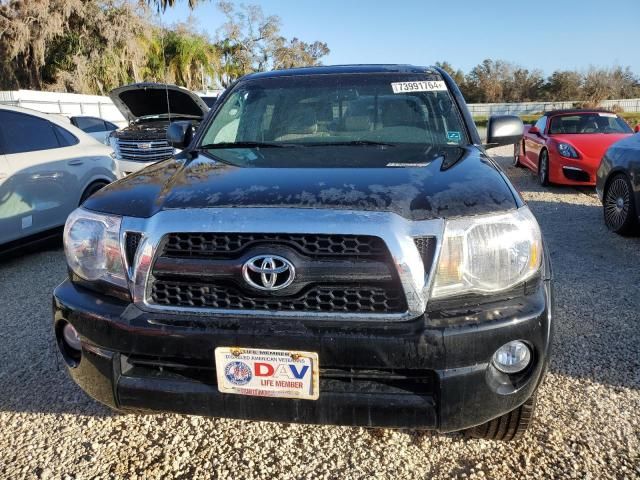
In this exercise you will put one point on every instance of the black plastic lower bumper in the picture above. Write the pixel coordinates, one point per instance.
(433, 372)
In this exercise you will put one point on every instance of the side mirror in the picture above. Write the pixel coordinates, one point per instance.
(534, 130)
(179, 134)
(504, 130)
(637, 129)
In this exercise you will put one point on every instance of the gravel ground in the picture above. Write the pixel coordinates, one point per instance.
(587, 424)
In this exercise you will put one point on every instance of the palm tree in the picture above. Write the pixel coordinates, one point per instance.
(185, 58)
(162, 5)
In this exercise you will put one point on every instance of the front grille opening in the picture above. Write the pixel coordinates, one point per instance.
(419, 382)
(144, 150)
(132, 241)
(332, 379)
(211, 274)
(575, 175)
(427, 248)
(226, 245)
(332, 298)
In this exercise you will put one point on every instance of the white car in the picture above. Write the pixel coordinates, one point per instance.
(47, 168)
(95, 127)
(150, 108)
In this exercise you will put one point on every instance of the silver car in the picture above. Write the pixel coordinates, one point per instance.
(47, 168)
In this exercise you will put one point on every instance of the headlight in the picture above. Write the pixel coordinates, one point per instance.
(488, 253)
(567, 150)
(92, 247)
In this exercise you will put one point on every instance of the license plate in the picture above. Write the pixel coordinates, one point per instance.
(267, 373)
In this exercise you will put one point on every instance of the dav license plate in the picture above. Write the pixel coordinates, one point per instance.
(267, 373)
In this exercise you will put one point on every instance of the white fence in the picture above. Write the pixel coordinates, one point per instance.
(64, 103)
(488, 109)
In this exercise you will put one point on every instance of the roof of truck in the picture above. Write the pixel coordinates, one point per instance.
(337, 69)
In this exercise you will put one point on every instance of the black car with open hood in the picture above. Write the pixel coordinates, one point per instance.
(332, 245)
(149, 108)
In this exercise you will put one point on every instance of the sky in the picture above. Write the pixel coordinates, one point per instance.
(543, 34)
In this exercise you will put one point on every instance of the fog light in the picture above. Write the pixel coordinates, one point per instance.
(71, 337)
(512, 357)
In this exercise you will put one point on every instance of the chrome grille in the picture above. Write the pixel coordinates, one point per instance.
(218, 244)
(144, 150)
(337, 273)
(334, 298)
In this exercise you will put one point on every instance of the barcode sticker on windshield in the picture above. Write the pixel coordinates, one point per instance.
(420, 86)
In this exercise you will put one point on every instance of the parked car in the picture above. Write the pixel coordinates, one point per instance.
(149, 108)
(565, 146)
(331, 246)
(618, 185)
(47, 168)
(95, 127)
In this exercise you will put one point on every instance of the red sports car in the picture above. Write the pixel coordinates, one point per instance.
(566, 146)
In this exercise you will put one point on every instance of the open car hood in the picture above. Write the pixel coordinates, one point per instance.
(149, 99)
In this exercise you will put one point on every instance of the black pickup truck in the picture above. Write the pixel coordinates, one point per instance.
(333, 245)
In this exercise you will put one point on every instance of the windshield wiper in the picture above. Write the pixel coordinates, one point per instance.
(356, 143)
(212, 146)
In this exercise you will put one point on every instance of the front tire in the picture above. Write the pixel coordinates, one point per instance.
(619, 206)
(510, 426)
(517, 150)
(543, 168)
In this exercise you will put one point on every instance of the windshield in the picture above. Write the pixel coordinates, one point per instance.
(583, 123)
(342, 110)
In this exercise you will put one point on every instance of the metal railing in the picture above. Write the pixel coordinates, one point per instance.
(105, 110)
(488, 109)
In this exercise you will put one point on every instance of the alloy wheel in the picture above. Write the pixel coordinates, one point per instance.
(616, 204)
(543, 170)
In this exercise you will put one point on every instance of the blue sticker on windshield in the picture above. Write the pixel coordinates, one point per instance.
(454, 136)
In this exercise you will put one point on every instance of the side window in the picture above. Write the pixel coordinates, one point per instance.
(229, 120)
(110, 126)
(65, 138)
(26, 133)
(542, 124)
(90, 124)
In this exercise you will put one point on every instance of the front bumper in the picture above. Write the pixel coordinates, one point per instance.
(432, 372)
(569, 171)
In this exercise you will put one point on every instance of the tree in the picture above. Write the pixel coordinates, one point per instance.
(162, 5)
(522, 85)
(296, 53)
(64, 45)
(250, 41)
(564, 85)
(250, 34)
(191, 59)
(457, 75)
(486, 82)
(602, 84)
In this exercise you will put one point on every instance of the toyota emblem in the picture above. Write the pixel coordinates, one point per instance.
(268, 272)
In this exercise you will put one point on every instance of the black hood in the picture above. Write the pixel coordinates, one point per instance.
(455, 182)
(141, 100)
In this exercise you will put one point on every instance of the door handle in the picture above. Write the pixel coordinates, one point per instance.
(75, 162)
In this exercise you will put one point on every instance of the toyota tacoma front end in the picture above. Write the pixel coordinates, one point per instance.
(332, 246)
